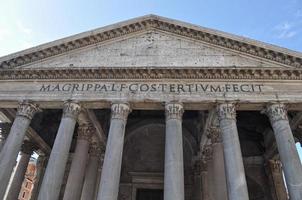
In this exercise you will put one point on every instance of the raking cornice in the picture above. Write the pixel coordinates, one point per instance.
(247, 46)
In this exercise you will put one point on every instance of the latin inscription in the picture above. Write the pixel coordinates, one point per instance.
(152, 87)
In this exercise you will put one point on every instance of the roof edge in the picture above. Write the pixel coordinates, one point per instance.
(239, 43)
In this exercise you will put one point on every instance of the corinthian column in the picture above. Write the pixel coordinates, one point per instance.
(109, 187)
(206, 157)
(287, 150)
(53, 177)
(174, 170)
(95, 159)
(77, 170)
(234, 169)
(15, 187)
(218, 180)
(11, 148)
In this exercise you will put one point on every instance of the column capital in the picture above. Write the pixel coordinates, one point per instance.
(85, 131)
(276, 112)
(71, 109)
(174, 110)
(28, 147)
(120, 111)
(27, 109)
(226, 111)
(207, 152)
(214, 134)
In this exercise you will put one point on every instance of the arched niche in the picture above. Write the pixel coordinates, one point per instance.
(144, 150)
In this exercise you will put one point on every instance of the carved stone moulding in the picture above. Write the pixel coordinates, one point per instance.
(151, 23)
(153, 73)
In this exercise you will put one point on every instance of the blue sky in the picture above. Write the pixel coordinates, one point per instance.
(27, 23)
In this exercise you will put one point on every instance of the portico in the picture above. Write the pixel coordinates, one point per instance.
(193, 114)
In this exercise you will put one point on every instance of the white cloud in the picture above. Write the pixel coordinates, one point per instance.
(286, 30)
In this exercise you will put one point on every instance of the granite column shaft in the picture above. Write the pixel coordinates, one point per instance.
(18, 178)
(90, 182)
(75, 179)
(234, 169)
(11, 148)
(109, 186)
(53, 176)
(287, 149)
(174, 170)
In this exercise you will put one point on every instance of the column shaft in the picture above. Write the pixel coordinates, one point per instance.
(13, 142)
(236, 181)
(77, 170)
(287, 150)
(95, 159)
(219, 185)
(109, 187)
(174, 170)
(15, 187)
(53, 177)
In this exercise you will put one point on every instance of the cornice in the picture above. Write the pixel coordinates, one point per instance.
(152, 73)
(246, 46)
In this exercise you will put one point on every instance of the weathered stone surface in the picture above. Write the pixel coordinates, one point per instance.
(152, 48)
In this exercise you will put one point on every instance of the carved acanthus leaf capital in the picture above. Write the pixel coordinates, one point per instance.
(276, 112)
(226, 111)
(174, 111)
(120, 111)
(71, 109)
(214, 134)
(85, 131)
(207, 153)
(27, 109)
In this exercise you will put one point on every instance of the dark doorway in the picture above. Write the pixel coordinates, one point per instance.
(149, 194)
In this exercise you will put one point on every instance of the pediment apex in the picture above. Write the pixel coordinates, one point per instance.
(264, 51)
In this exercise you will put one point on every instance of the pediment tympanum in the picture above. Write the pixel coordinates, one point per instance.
(150, 49)
(153, 41)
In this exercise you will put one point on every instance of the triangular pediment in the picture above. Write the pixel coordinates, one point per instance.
(153, 41)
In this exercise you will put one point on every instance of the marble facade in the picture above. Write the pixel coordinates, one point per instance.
(153, 108)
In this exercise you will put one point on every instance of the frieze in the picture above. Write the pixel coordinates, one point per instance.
(155, 22)
(176, 88)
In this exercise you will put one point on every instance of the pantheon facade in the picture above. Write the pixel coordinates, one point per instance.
(149, 109)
